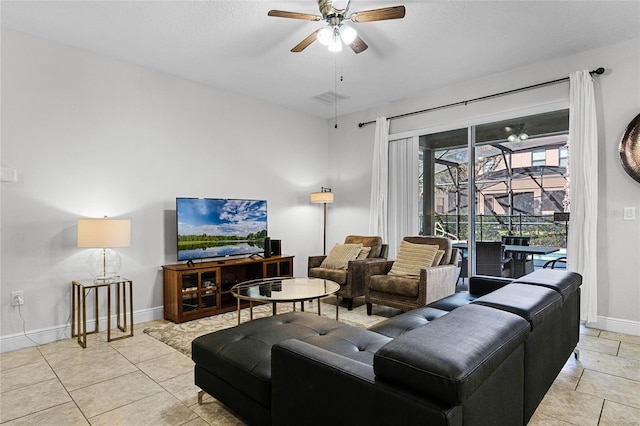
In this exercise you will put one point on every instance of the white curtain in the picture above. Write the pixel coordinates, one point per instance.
(582, 246)
(379, 181)
(403, 192)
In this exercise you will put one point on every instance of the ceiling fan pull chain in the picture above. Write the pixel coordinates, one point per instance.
(335, 88)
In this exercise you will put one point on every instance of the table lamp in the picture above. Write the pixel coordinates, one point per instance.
(104, 234)
(324, 196)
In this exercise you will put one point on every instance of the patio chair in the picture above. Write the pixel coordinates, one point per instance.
(522, 262)
(490, 259)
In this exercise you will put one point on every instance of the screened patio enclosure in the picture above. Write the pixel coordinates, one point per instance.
(518, 183)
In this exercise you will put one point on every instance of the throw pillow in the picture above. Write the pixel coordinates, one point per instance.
(413, 257)
(340, 255)
(438, 258)
(364, 253)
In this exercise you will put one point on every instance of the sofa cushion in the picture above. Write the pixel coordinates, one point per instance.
(532, 303)
(400, 324)
(443, 243)
(452, 356)
(399, 285)
(337, 275)
(340, 256)
(438, 258)
(374, 242)
(364, 253)
(412, 258)
(564, 282)
(241, 356)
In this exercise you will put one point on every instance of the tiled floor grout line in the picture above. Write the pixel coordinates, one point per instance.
(611, 374)
(601, 411)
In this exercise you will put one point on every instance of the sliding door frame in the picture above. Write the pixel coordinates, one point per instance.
(470, 124)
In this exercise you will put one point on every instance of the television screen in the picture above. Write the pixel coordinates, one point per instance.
(214, 227)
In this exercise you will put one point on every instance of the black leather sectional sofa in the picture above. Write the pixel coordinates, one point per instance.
(486, 357)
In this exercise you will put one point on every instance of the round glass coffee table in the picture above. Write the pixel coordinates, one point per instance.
(279, 290)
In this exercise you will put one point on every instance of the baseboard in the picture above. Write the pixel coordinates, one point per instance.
(53, 334)
(616, 325)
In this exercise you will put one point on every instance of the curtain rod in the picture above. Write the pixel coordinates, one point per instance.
(598, 71)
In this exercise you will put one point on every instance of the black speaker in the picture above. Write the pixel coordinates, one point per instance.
(276, 247)
(267, 247)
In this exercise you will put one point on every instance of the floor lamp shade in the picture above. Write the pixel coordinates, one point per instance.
(104, 234)
(324, 197)
(321, 197)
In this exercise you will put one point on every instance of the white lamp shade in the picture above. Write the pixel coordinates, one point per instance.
(104, 233)
(324, 36)
(322, 197)
(335, 45)
(348, 34)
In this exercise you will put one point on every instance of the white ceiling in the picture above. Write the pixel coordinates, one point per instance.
(234, 45)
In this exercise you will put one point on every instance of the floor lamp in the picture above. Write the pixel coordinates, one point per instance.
(324, 196)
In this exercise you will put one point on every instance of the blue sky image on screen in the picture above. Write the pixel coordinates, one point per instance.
(210, 228)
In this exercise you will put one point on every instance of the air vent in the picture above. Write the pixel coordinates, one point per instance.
(330, 97)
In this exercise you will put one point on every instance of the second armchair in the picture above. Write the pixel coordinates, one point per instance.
(408, 282)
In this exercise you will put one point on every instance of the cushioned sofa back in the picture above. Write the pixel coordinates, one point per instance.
(449, 358)
(531, 302)
(367, 241)
(564, 282)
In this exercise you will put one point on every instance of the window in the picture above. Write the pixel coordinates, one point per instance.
(552, 200)
(539, 157)
(562, 156)
(523, 203)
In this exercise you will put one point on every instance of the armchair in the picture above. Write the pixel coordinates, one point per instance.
(410, 292)
(351, 280)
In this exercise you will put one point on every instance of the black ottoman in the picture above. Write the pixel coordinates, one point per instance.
(234, 365)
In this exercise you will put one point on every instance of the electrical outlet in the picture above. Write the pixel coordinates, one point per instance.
(629, 213)
(17, 298)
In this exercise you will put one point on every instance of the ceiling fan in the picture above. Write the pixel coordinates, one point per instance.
(334, 12)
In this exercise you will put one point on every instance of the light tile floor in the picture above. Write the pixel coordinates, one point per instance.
(140, 381)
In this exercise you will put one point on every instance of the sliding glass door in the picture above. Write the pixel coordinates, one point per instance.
(497, 180)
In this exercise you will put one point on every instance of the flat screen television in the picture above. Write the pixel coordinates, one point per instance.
(217, 227)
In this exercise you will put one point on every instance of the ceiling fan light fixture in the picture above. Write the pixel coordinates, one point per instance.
(512, 138)
(336, 44)
(324, 36)
(523, 136)
(347, 34)
(340, 4)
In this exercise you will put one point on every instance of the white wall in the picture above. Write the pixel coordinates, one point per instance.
(618, 96)
(90, 136)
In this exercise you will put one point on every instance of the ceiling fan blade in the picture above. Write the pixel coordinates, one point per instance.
(294, 15)
(306, 42)
(395, 12)
(358, 45)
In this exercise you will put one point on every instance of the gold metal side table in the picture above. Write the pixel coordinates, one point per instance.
(79, 293)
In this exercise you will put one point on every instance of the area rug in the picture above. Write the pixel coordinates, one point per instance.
(179, 336)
